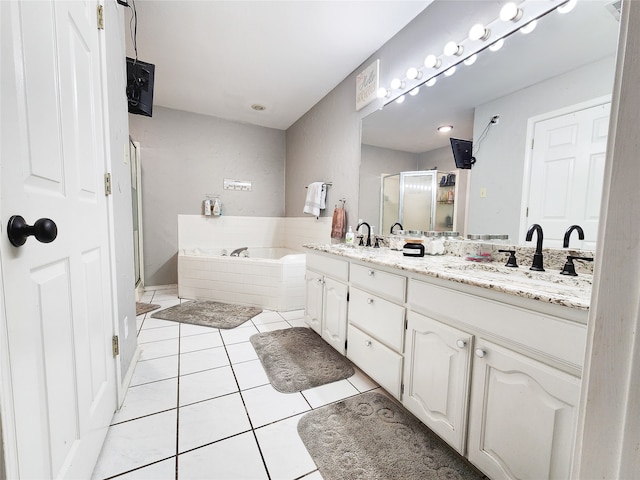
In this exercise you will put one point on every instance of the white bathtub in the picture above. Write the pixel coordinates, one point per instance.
(271, 277)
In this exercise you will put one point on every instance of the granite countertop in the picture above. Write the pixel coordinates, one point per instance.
(548, 286)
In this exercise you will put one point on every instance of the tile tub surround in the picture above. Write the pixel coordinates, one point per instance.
(549, 286)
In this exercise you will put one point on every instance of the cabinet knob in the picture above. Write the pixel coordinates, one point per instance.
(480, 353)
(461, 343)
(369, 301)
(371, 272)
(367, 343)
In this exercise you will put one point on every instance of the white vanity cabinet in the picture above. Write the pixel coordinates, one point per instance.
(326, 303)
(377, 324)
(436, 377)
(523, 414)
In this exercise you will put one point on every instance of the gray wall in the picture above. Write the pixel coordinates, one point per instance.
(500, 159)
(185, 156)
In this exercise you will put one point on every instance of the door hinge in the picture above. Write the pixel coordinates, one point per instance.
(115, 346)
(107, 184)
(100, 17)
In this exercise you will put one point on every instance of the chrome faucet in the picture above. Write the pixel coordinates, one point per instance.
(368, 233)
(398, 224)
(537, 264)
(567, 234)
(237, 252)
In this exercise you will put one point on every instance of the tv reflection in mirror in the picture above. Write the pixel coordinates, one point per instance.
(462, 153)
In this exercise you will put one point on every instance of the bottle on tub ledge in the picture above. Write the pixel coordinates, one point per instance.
(216, 208)
(207, 207)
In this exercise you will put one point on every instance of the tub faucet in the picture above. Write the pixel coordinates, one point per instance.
(237, 252)
(368, 233)
(398, 224)
(567, 234)
(537, 257)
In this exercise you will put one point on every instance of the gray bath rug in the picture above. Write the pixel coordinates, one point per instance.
(370, 436)
(209, 314)
(142, 307)
(297, 358)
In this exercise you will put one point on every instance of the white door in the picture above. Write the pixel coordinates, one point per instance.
(59, 375)
(567, 174)
(436, 377)
(334, 314)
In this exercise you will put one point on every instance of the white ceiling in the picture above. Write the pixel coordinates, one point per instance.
(220, 57)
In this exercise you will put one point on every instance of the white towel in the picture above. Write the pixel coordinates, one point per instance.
(316, 196)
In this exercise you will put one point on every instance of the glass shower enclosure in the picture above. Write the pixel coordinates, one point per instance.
(409, 198)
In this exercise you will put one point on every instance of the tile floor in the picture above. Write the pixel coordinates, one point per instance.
(200, 405)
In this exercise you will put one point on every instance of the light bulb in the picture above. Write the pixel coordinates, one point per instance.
(452, 48)
(494, 47)
(397, 84)
(471, 60)
(567, 7)
(431, 82)
(431, 61)
(414, 91)
(400, 99)
(450, 71)
(383, 92)
(414, 73)
(529, 27)
(479, 32)
(510, 12)
(445, 128)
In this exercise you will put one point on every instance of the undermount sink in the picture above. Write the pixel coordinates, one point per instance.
(521, 274)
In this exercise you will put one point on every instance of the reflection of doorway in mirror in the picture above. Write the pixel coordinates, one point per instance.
(390, 202)
(566, 172)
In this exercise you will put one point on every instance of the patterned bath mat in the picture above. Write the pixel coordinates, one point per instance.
(370, 436)
(209, 314)
(142, 307)
(297, 359)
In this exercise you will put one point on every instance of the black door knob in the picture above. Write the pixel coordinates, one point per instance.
(45, 230)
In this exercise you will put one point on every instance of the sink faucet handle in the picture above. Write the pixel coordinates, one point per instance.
(569, 267)
(511, 261)
(361, 243)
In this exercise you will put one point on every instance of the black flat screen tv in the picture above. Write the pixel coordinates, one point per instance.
(462, 153)
(140, 77)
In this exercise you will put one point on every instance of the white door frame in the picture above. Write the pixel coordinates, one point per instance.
(528, 156)
(138, 180)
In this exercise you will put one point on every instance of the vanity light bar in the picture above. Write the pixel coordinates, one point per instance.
(511, 19)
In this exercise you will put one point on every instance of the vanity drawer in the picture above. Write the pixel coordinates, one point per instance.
(379, 362)
(389, 285)
(378, 317)
(338, 269)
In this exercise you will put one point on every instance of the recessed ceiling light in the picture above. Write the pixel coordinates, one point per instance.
(258, 108)
(445, 128)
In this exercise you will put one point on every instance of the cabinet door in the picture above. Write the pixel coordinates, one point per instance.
(436, 377)
(313, 305)
(334, 314)
(522, 416)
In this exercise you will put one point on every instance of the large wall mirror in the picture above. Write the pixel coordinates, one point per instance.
(566, 64)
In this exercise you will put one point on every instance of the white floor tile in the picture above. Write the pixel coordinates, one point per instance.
(329, 393)
(361, 381)
(265, 405)
(206, 385)
(154, 370)
(235, 458)
(162, 348)
(200, 360)
(266, 316)
(239, 334)
(165, 470)
(187, 329)
(313, 476)
(250, 374)
(270, 327)
(298, 322)
(283, 451)
(157, 334)
(293, 314)
(152, 322)
(136, 443)
(241, 352)
(149, 398)
(200, 342)
(212, 420)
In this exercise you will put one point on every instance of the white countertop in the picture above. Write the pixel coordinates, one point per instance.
(548, 286)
